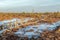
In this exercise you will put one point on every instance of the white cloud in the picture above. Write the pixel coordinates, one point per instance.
(9, 4)
(27, 2)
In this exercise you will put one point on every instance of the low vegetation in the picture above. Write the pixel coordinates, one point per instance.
(48, 17)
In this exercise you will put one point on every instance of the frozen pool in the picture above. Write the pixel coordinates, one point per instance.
(33, 30)
(37, 29)
(2, 31)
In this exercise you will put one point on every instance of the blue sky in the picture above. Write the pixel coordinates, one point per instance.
(22, 5)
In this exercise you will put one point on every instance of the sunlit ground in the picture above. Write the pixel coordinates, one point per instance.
(30, 26)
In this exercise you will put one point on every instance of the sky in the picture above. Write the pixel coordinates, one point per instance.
(29, 5)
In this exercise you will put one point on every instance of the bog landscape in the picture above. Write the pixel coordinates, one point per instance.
(30, 26)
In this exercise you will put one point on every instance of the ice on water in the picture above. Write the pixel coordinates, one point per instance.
(40, 28)
(2, 31)
(37, 29)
